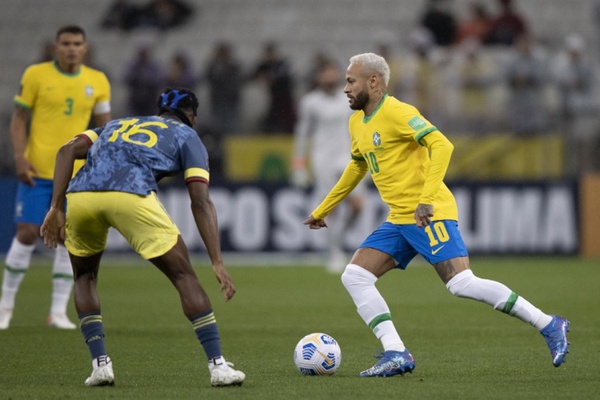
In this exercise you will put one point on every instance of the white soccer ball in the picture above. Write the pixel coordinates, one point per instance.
(317, 354)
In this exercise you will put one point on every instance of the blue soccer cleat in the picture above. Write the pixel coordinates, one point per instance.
(555, 334)
(391, 363)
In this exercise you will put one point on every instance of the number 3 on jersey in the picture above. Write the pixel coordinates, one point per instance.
(129, 128)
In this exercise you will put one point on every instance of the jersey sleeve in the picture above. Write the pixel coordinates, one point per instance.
(103, 99)
(28, 89)
(412, 123)
(90, 135)
(351, 177)
(441, 151)
(194, 158)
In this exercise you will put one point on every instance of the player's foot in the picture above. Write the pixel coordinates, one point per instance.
(555, 334)
(391, 363)
(5, 317)
(222, 373)
(60, 321)
(103, 373)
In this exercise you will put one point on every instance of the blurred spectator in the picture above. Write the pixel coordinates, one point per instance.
(422, 80)
(319, 60)
(274, 71)
(145, 80)
(526, 78)
(321, 151)
(476, 26)
(575, 79)
(162, 14)
(122, 14)
(473, 75)
(225, 82)
(440, 21)
(507, 27)
(180, 72)
(166, 14)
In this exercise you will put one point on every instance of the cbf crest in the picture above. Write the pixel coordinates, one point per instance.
(89, 90)
(376, 139)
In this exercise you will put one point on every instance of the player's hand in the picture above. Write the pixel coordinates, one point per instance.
(423, 215)
(315, 223)
(25, 171)
(227, 286)
(53, 228)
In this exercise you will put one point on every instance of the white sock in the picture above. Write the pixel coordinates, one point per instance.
(371, 306)
(466, 284)
(62, 281)
(527, 312)
(18, 260)
(388, 335)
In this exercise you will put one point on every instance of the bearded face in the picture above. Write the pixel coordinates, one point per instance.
(356, 87)
(360, 100)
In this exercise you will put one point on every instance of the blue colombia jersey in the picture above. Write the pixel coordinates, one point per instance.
(132, 154)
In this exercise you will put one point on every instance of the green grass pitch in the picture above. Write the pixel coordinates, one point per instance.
(463, 349)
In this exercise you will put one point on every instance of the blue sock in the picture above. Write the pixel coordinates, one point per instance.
(93, 333)
(205, 326)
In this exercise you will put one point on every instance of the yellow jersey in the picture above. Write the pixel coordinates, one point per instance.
(393, 144)
(61, 105)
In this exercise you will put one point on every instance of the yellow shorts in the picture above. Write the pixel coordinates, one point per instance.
(142, 220)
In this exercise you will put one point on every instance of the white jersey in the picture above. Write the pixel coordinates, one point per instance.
(322, 135)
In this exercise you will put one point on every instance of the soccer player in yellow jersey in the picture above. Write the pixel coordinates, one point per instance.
(57, 98)
(407, 158)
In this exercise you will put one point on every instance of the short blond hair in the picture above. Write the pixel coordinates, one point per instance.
(374, 64)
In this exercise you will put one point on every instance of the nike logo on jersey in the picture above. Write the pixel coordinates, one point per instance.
(434, 252)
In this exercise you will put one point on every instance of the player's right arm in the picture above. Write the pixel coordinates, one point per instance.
(53, 227)
(18, 136)
(353, 174)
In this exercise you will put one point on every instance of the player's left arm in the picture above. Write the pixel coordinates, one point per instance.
(205, 215)
(194, 158)
(102, 108)
(53, 228)
(102, 119)
(440, 149)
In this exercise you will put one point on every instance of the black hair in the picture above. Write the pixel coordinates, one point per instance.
(177, 100)
(74, 29)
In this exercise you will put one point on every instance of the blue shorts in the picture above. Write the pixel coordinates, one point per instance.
(33, 202)
(437, 242)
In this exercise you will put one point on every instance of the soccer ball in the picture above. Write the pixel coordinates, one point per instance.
(317, 354)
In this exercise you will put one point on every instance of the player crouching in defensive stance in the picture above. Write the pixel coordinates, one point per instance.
(117, 188)
(408, 158)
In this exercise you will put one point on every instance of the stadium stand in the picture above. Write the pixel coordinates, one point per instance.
(338, 27)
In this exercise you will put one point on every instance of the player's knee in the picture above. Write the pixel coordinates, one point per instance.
(355, 275)
(459, 284)
(27, 234)
(347, 277)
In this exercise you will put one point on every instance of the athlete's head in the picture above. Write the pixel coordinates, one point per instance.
(367, 72)
(70, 47)
(330, 77)
(179, 102)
